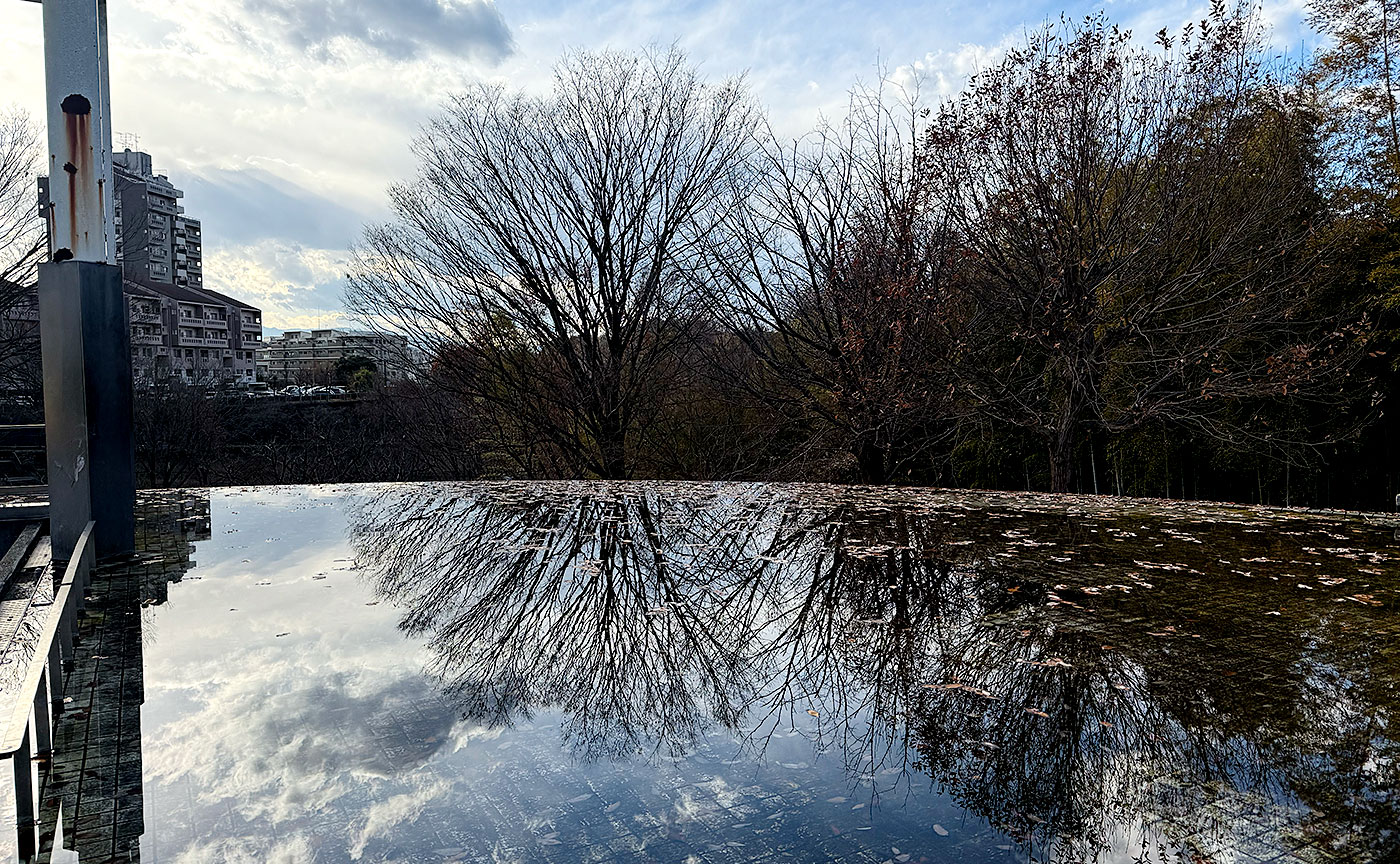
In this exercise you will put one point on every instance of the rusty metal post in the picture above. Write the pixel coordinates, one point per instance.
(82, 309)
(79, 171)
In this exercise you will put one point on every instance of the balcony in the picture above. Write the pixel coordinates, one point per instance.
(145, 338)
(145, 317)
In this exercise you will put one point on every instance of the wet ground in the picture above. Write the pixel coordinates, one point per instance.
(696, 673)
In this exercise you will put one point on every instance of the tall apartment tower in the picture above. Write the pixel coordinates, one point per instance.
(157, 244)
(178, 327)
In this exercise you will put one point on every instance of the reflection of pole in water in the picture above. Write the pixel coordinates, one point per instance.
(93, 802)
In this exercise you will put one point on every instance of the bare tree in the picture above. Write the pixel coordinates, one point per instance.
(1139, 228)
(542, 256)
(831, 270)
(179, 433)
(21, 249)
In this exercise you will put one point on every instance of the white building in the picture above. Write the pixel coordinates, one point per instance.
(310, 356)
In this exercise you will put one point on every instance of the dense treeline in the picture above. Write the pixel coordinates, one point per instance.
(186, 438)
(1104, 266)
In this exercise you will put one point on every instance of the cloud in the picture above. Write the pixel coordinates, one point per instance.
(295, 286)
(943, 74)
(398, 29)
(254, 204)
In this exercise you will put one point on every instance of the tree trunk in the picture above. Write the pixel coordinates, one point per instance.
(1064, 457)
(870, 462)
(612, 450)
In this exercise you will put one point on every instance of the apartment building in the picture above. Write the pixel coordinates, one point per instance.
(198, 336)
(310, 356)
(178, 327)
(157, 244)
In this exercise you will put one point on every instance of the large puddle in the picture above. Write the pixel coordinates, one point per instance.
(691, 672)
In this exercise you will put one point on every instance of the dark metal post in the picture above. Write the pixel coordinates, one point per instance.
(65, 402)
(111, 439)
(87, 405)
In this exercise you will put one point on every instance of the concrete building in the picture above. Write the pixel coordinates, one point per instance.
(178, 327)
(157, 244)
(198, 336)
(310, 356)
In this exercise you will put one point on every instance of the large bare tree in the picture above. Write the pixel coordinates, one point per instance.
(831, 269)
(542, 258)
(1138, 224)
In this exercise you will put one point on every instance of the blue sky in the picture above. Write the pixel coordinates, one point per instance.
(285, 120)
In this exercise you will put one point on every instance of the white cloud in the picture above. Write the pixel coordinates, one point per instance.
(942, 74)
(295, 286)
(397, 810)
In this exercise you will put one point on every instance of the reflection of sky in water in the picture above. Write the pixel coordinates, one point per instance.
(679, 675)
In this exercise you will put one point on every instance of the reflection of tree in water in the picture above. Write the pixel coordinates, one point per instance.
(1062, 675)
(605, 604)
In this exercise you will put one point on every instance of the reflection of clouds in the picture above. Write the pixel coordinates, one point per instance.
(303, 701)
(396, 810)
(815, 630)
(282, 754)
(296, 849)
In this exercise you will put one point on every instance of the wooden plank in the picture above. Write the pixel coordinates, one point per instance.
(17, 552)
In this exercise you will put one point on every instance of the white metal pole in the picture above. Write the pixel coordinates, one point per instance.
(79, 171)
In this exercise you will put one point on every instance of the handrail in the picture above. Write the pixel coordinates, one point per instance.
(26, 436)
(14, 732)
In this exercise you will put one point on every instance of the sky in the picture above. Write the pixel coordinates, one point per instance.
(285, 121)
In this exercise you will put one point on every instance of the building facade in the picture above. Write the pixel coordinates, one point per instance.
(201, 337)
(178, 327)
(157, 244)
(310, 356)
